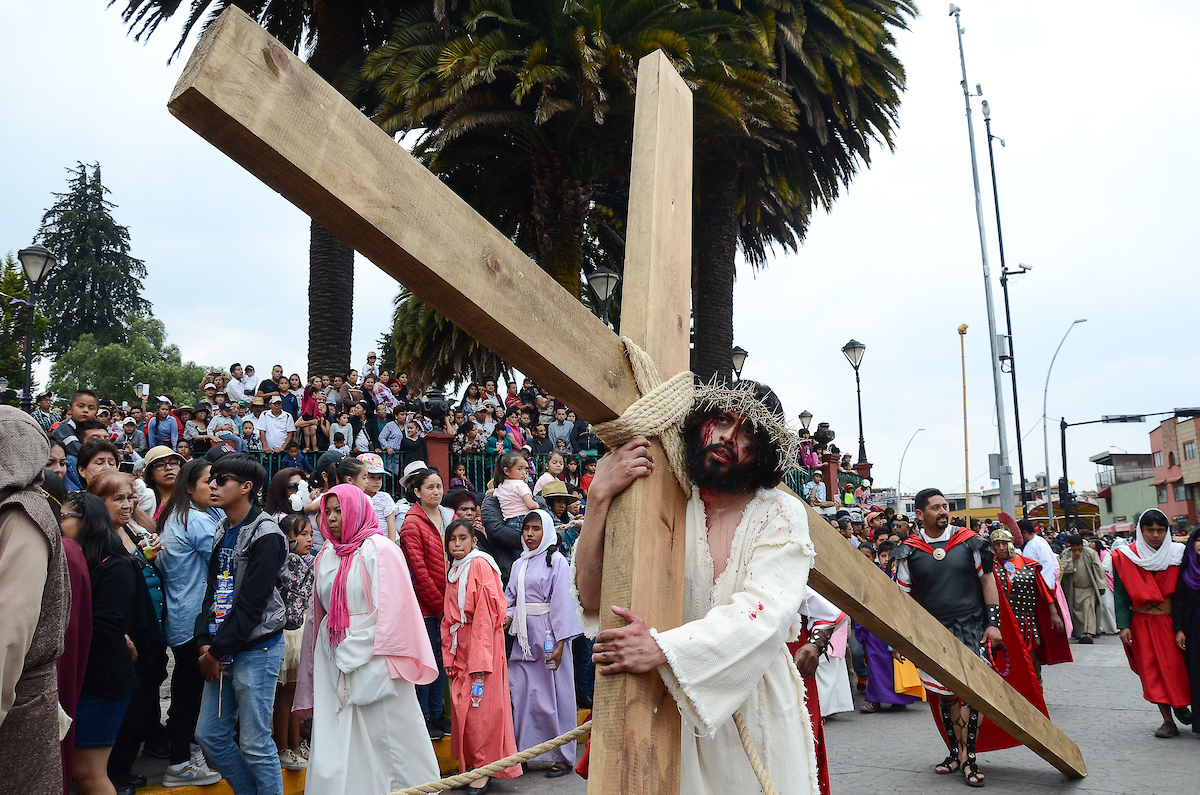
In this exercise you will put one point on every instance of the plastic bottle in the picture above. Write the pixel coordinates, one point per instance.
(548, 648)
(476, 690)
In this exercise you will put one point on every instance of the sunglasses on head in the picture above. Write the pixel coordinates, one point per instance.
(222, 479)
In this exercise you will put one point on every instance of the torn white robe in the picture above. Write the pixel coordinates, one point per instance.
(731, 653)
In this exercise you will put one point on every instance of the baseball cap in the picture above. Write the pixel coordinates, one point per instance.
(216, 451)
(856, 516)
(164, 399)
(373, 462)
(276, 399)
(210, 385)
(129, 421)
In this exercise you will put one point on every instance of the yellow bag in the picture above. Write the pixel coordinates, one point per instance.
(908, 680)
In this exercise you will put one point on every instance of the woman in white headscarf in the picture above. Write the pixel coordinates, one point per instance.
(541, 614)
(1145, 576)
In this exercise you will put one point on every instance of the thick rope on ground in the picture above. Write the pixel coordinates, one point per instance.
(450, 782)
(659, 412)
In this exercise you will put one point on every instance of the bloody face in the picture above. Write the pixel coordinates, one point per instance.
(723, 453)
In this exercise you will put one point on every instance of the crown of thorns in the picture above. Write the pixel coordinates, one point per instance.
(739, 399)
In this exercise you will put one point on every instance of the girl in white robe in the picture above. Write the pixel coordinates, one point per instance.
(368, 734)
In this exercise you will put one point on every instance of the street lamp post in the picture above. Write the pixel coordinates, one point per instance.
(738, 355)
(805, 419)
(854, 351)
(1045, 429)
(37, 261)
(1004, 274)
(962, 347)
(603, 282)
(1064, 485)
(1007, 503)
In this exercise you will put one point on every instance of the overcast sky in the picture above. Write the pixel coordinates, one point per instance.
(1096, 102)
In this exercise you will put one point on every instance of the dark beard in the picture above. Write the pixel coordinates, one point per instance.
(706, 474)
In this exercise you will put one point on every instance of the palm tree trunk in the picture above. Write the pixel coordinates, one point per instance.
(330, 261)
(560, 206)
(714, 265)
(330, 302)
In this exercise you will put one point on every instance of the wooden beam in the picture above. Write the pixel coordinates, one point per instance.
(854, 584)
(636, 726)
(257, 102)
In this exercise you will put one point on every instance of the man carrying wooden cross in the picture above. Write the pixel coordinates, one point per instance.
(747, 557)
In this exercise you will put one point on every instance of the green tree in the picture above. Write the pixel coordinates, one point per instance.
(111, 370)
(97, 285)
(434, 351)
(753, 193)
(334, 36)
(14, 317)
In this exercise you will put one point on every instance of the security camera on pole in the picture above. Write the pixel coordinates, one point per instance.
(1007, 501)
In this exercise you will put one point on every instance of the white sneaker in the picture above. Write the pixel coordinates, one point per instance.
(302, 751)
(198, 760)
(288, 760)
(186, 774)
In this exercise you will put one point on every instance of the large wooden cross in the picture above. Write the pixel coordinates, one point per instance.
(257, 102)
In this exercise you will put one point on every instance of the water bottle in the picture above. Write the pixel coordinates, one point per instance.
(476, 690)
(548, 648)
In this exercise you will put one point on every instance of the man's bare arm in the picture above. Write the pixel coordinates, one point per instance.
(614, 473)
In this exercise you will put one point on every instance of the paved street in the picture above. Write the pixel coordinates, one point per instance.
(1097, 701)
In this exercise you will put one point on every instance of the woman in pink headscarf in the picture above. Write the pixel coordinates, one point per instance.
(368, 650)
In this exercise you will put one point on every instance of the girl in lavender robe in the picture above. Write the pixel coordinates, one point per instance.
(540, 609)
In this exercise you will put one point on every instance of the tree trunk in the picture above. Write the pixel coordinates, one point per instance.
(330, 302)
(560, 206)
(714, 266)
(330, 261)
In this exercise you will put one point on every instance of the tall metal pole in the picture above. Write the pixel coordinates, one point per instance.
(1066, 484)
(900, 471)
(26, 397)
(1004, 273)
(1046, 430)
(962, 345)
(862, 445)
(1007, 501)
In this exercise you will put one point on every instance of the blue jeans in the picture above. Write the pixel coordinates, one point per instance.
(244, 698)
(858, 655)
(432, 696)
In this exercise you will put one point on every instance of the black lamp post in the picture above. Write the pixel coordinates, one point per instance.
(805, 419)
(603, 282)
(738, 356)
(854, 351)
(37, 262)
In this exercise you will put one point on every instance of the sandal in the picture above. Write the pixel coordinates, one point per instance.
(869, 708)
(951, 763)
(971, 774)
(1167, 730)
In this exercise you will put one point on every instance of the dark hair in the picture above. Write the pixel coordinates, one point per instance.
(90, 450)
(762, 472)
(179, 503)
(456, 498)
(292, 524)
(339, 436)
(96, 534)
(1026, 526)
(416, 481)
(242, 465)
(503, 462)
(87, 392)
(885, 546)
(278, 499)
(55, 491)
(89, 425)
(924, 496)
(1153, 516)
(235, 364)
(468, 526)
(349, 468)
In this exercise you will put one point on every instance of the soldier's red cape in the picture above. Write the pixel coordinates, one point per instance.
(1020, 675)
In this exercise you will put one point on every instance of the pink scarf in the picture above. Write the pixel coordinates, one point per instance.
(359, 522)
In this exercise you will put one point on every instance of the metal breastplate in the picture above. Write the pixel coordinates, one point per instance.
(947, 588)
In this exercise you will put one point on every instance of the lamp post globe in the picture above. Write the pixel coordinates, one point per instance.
(854, 350)
(738, 356)
(805, 419)
(37, 262)
(603, 282)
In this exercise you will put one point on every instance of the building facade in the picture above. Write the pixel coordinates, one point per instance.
(1124, 486)
(1176, 483)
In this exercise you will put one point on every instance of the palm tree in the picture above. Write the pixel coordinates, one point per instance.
(527, 107)
(335, 34)
(836, 59)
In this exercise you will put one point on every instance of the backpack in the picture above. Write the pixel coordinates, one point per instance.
(295, 587)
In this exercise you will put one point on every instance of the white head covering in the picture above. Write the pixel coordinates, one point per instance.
(459, 571)
(1169, 553)
(520, 626)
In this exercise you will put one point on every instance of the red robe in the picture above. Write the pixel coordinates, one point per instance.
(479, 735)
(1020, 675)
(1054, 647)
(1153, 655)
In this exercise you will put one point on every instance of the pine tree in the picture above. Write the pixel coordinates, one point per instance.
(98, 283)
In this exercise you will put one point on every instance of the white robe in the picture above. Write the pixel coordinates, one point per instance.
(368, 734)
(833, 682)
(730, 655)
